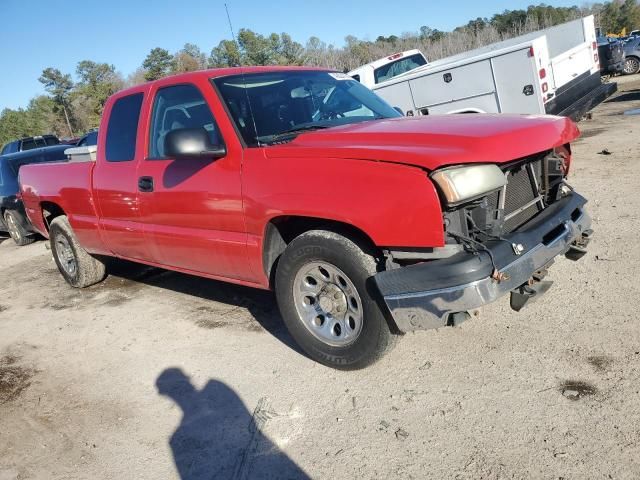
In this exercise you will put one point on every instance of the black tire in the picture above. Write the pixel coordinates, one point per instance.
(79, 268)
(631, 65)
(374, 337)
(14, 225)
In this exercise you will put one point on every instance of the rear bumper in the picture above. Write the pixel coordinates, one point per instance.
(425, 295)
(613, 67)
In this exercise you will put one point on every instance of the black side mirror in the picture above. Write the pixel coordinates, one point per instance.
(399, 110)
(191, 143)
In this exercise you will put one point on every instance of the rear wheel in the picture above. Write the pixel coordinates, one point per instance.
(79, 268)
(16, 230)
(323, 286)
(631, 65)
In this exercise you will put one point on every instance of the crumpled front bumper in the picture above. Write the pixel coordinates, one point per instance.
(425, 295)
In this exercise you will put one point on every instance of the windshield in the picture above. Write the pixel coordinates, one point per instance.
(284, 104)
(406, 64)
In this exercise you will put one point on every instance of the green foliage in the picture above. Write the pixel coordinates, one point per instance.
(226, 54)
(59, 85)
(618, 15)
(158, 64)
(431, 34)
(255, 49)
(189, 59)
(97, 82)
(390, 39)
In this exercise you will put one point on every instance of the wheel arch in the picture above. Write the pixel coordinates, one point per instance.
(281, 230)
(50, 211)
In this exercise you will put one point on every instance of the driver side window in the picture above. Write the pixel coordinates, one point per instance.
(177, 107)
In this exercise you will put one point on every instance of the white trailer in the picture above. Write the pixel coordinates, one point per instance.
(554, 71)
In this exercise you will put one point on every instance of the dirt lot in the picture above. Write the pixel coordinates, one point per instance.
(156, 375)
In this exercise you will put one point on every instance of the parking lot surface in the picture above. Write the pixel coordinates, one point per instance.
(154, 374)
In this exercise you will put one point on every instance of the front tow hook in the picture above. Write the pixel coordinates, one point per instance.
(578, 248)
(528, 292)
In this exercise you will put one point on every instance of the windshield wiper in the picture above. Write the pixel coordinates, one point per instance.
(302, 128)
(292, 131)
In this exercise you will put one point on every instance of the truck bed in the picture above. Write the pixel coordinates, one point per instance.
(68, 185)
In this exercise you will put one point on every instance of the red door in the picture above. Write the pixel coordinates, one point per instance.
(192, 209)
(115, 179)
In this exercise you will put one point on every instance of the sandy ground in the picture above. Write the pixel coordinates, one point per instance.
(156, 375)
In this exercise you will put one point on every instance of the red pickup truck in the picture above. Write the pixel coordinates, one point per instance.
(367, 224)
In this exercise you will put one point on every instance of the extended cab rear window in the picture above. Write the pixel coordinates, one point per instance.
(123, 128)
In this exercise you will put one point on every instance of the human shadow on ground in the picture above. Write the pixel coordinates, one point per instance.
(218, 438)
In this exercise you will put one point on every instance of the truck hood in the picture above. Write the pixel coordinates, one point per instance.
(435, 141)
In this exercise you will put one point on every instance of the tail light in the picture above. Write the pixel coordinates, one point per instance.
(596, 59)
(594, 45)
(543, 73)
(531, 52)
(545, 87)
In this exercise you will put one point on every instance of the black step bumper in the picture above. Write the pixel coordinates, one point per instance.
(425, 295)
(580, 95)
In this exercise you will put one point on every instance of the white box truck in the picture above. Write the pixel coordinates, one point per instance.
(553, 71)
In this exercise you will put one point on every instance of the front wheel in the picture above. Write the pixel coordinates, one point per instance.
(323, 287)
(79, 268)
(631, 66)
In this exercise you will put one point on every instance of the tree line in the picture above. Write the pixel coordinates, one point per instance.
(73, 104)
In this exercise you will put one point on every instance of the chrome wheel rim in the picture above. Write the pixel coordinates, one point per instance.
(13, 228)
(630, 66)
(328, 304)
(65, 255)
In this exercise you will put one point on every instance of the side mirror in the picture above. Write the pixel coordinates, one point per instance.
(191, 143)
(399, 110)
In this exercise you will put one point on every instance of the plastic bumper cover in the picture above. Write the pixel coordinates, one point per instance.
(423, 296)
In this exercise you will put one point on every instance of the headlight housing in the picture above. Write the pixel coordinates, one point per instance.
(465, 183)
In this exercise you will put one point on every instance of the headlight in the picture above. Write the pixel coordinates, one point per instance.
(460, 184)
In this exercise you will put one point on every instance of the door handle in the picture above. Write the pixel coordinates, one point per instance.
(145, 184)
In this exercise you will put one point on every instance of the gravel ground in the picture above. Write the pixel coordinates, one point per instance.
(153, 374)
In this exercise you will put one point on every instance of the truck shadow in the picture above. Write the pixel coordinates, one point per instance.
(260, 304)
(218, 437)
(629, 96)
(4, 237)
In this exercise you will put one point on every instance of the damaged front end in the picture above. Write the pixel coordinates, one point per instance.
(502, 241)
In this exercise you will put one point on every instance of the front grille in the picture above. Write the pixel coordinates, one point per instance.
(522, 190)
(520, 200)
(532, 184)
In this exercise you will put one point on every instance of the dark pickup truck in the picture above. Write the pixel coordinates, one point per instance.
(30, 143)
(13, 218)
(611, 54)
